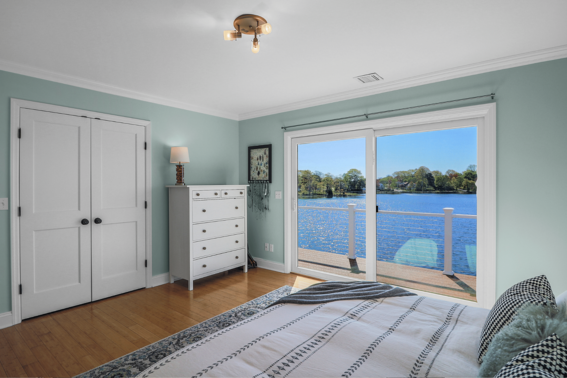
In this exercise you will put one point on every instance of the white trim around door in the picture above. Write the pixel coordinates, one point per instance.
(481, 116)
(16, 105)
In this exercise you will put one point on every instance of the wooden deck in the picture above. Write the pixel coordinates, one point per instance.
(434, 281)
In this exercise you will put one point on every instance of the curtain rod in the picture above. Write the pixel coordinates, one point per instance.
(388, 111)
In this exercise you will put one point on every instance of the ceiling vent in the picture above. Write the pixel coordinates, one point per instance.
(369, 78)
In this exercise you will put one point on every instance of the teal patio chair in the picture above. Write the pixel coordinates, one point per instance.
(417, 252)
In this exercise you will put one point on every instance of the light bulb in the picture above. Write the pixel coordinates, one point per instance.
(255, 46)
(266, 28)
(229, 35)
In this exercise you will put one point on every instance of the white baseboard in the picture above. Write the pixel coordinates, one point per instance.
(6, 320)
(270, 265)
(160, 279)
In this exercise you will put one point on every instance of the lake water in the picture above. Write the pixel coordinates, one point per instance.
(412, 239)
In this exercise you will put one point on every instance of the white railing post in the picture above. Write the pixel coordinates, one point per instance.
(351, 231)
(448, 268)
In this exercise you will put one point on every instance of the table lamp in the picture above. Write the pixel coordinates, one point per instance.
(179, 155)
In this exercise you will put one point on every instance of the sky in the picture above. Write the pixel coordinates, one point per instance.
(437, 150)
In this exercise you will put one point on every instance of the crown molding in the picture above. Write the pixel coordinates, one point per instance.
(453, 73)
(105, 88)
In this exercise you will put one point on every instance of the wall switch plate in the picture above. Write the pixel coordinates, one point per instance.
(3, 203)
(266, 247)
(278, 194)
(271, 248)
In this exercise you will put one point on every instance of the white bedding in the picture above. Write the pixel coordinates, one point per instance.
(393, 337)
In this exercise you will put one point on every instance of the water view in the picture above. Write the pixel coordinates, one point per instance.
(327, 230)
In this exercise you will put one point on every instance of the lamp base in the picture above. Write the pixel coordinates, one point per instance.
(180, 174)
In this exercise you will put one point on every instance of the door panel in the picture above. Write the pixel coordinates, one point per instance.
(55, 197)
(118, 195)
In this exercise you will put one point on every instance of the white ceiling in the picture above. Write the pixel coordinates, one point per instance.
(173, 52)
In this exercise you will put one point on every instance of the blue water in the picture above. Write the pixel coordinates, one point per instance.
(421, 237)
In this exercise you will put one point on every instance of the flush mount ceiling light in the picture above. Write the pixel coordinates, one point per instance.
(249, 24)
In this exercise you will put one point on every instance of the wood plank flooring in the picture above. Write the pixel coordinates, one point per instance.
(72, 341)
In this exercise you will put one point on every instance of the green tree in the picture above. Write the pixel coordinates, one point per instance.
(354, 180)
(436, 173)
(443, 183)
(421, 178)
(471, 167)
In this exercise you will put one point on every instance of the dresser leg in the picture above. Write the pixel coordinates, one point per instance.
(190, 286)
(246, 268)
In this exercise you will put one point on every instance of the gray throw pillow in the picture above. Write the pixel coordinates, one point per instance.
(531, 325)
(535, 290)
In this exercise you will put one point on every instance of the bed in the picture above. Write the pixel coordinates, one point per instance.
(409, 336)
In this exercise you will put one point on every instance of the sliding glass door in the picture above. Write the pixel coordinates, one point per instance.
(333, 180)
(409, 201)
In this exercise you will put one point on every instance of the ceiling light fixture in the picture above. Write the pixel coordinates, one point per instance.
(249, 24)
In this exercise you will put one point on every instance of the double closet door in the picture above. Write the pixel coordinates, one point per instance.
(82, 196)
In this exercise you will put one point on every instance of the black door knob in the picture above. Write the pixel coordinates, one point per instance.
(84, 222)
(98, 220)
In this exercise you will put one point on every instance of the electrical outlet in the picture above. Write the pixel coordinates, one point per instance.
(278, 194)
(3, 203)
(266, 247)
(271, 248)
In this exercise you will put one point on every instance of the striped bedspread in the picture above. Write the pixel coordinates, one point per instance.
(388, 337)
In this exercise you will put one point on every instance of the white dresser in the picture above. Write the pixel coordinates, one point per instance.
(207, 230)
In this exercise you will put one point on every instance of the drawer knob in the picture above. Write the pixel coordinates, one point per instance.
(225, 193)
(216, 194)
(235, 225)
(236, 207)
(204, 248)
(204, 231)
(236, 241)
(204, 265)
(204, 211)
(198, 194)
(236, 257)
(240, 192)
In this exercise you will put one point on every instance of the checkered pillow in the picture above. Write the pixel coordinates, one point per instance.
(546, 359)
(535, 290)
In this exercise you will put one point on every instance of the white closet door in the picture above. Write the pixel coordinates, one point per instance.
(118, 197)
(54, 197)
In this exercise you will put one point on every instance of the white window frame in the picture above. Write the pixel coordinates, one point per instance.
(481, 116)
(16, 106)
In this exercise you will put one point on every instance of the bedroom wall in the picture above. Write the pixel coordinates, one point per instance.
(531, 164)
(212, 142)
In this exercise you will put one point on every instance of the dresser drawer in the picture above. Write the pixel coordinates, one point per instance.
(206, 194)
(233, 193)
(212, 230)
(218, 262)
(204, 211)
(218, 245)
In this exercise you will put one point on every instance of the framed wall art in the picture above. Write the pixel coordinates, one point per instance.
(260, 163)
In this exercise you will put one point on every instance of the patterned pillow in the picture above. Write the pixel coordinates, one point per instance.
(535, 290)
(548, 358)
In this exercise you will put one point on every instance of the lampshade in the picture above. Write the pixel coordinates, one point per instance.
(179, 155)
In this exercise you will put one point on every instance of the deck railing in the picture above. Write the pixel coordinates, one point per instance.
(448, 231)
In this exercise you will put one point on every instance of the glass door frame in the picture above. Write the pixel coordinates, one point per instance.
(370, 174)
(482, 116)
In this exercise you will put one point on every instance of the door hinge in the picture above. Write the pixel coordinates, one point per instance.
(145, 204)
(19, 211)
(145, 145)
(376, 208)
(146, 264)
(20, 289)
(20, 133)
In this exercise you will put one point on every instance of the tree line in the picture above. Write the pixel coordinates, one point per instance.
(325, 184)
(422, 179)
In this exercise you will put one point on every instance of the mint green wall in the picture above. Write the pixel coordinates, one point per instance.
(212, 143)
(532, 159)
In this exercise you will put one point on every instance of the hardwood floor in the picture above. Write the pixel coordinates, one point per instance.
(72, 341)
